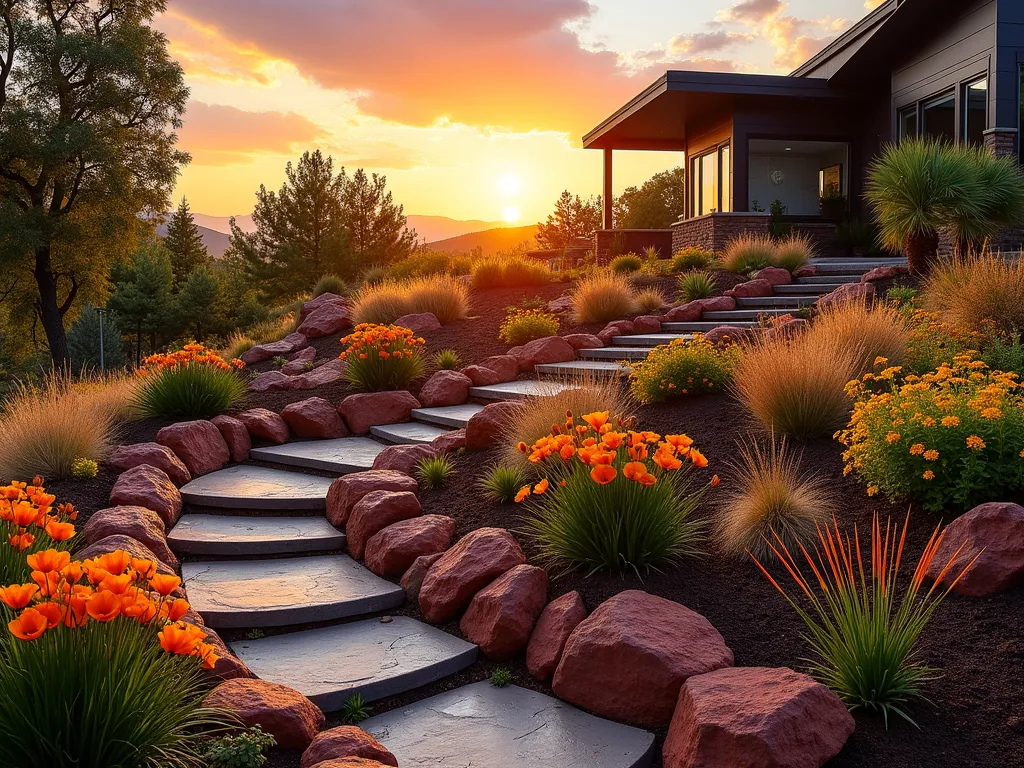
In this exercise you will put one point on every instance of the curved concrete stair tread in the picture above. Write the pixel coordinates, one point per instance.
(409, 433)
(371, 658)
(243, 536)
(482, 726)
(517, 390)
(616, 354)
(451, 416)
(831, 279)
(341, 455)
(235, 594)
(245, 486)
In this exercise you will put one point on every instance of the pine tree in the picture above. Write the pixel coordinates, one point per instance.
(84, 342)
(376, 226)
(198, 302)
(141, 300)
(184, 243)
(573, 217)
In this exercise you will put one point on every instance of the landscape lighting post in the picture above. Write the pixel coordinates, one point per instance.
(100, 312)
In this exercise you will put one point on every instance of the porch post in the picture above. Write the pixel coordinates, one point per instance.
(606, 197)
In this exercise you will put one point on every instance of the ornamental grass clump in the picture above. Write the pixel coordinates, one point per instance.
(793, 252)
(194, 382)
(509, 271)
(626, 264)
(877, 331)
(950, 438)
(446, 360)
(689, 259)
(30, 522)
(99, 669)
(611, 498)
(862, 629)
(434, 471)
(382, 357)
(502, 482)
(748, 253)
(683, 367)
(978, 293)
(523, 325)
(649, 300)
(695, 285)
(601, 297)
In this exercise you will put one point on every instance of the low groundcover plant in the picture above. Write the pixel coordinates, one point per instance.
(683, 367)
(194, 382)
(382, 357)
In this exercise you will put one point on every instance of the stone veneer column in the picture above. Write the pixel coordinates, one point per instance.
(1001, 142)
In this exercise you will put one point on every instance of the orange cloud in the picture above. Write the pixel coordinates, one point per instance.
(220, 135)
(794, 40)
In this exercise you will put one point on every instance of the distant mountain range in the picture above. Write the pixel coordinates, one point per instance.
(490, 241)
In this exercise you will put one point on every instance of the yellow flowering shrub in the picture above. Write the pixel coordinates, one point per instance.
(953, 437)
(382, 357)
(933, 341)
(683, 368)
(523, 325)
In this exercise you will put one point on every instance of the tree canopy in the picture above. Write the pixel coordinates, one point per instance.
(142, 302)
(573, 217)
(185, 243)
(656, 204)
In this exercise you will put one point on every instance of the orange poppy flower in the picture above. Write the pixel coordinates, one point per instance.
(568, 451)
(176, 639)
(47, 581)
(144, 568)
(634, 470)
(164, 583)
(103, 606)
(613, 440)
(138, 606)
(24, 514)
(666, 460)
(647, 480)
(22, 541)
(522, 447)
(208, 654)
(17, 596)
(48, 560)
(715, 481)
(698, 458)
(29, 625)
(117, 584)
(679, 441)
(60, 531)
(95, 574)
(541, 487)
(602, 474)
(72, 572)
(173, 610)
(602, 457)
(115, 562)
(597, 419)
(53, 613)
(523, 493)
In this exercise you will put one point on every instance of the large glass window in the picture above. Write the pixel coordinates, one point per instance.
(938, 117)
(976, 111)
(725, 187)
(907, 122)
(710, 182)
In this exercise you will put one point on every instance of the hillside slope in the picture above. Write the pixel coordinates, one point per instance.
(490, 240)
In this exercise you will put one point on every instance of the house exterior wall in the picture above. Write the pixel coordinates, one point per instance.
(714, 231)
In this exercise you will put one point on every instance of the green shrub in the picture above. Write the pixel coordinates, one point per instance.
(84, 469)
(902, 296)
(501, 677)
(354, 710)
(749, 253)
(279, 362)
(688, 259)
(373, 275)
(682, 368)
(242, 751)
(523, 325)
(696, 285)
(191, 391)
(382, 357)
(434, 471)
(502, 482)
(446, 360)
(330, 284)
(509, 271)
(793, 252)
(1005, 353)
(84, 341)
(601, 297)
(630, 262)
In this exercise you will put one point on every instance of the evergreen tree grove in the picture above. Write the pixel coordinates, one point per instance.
(184, 243)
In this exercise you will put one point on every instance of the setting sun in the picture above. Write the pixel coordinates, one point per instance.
(510, 214)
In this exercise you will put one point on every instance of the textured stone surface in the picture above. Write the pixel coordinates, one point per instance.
(365, 410)
(313, 417)
(272, 381)
(557, 621)
(480, 376)
(755, 717)
(807, 270)
(352, 762)
(249, 487)
(517, 390)
(281, 711)
(860, 292)
(412, 579)
(774, 275)
(506, 366)
(298, 362)
(235, 435)
(485, 427)
(345, 741)
(408, 433)
(585, 340)
(403, 458)
(232, 535)
(445, 388)
(281, 592)
(450, 441)
(149, 487)
(482, 726)
(339, 455)
(618, 328)
(750, 289)
(143, 525)
(501, 615)
(993, 532)
(646, 324)
(346, 491)
(476, 560)
(726, 332)
(286, 346)
(419, 323)
(372, 658)
(551, 349)
(197, 443)
(393, 549)
(883, 273)
(264, 425)
(628, 659)
(328, 373)
(331, 317)
(228, 666)
(375, 512)
(156, 455)
(454, 416)
(315, 304)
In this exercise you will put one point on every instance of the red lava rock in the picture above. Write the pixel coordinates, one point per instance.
(774, 275)
(449, 441)
(445, 388)
(375, 408)
(345, 741)
(314, 304)
(419, 323)
(403, 458)
(750, 289)
(133, 547)
(347, 490)
(264, 424)
(550, 349)
(506, 366)
(501, 616)
(412, 579)
(585, 340)
(328, 318)
(723, 332)
(313, 417)
(235, 435)
(281, 711)
(556, 623)
(807, 270)
(143, 525)
(293, 342)
(149, 487)
(647, 324)
(392, 550)
(375, 512)
(328, 373)
(154, 454)
(995, 533)
(197, 443)
(480, 376)
(862, 292)
(271, 381)
(691, 311)
(298, 362)
(628, 659)
(486, 425)
(755, 717)
(475, 561)
(883, 273)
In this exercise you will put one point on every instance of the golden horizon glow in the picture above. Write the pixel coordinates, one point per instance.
(510, 214)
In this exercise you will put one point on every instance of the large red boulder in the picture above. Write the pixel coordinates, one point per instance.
(481, 377)
(445, 388)
(143, 525)
(585, 340)
(352, 762)
(501, 616)
(149, 487)
(228, 666)
(550, 349)
(272, 381)
(347, 490)
(863, 293)
(730, 333)
(477, 559)
(403, 458)
(328, 373)
(547, 641)
(372, 409)
(375, 512)
(265, 425)
(506, 366)
(198, 444)
(628, 659)
(281, 711)
(419, 323)
(647, 324)
(486, 426)
(751, 289)
(992, 532)
(392, 550)
(617, 328)
(154, 454)
(774, 275)
(691, 311)
(883, 273)
(235, 435)
(297, 363)
(807, 270)
(449, 441)
(286, 346)
(412, 579)
(755, 717)
(328, 318)
(313, 417)
(345, 741)
(314, 304)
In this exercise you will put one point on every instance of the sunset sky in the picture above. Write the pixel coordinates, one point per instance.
(474, 109)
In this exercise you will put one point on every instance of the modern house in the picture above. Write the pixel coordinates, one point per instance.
(944, 68)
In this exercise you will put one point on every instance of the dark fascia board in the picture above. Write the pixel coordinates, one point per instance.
(873, 19)
(724, 83)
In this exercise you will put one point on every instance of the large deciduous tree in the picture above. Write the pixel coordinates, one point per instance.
(656, 204)
(573, 217)
(89, 102)
(183, 240)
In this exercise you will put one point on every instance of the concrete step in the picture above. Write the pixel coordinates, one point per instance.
(800, 289)
(451, 416)
(652, 339)
(832, 280)
(340, 455)
(236, 594)
(748, 315)
(517, 390)
(257, 488)
(584, 368)
(371, 658)
(772, 302)
(232, 536)
(411, 433)
(615, 353)
(703, 326)
(482, 726)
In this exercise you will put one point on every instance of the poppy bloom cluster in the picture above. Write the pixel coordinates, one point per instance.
(608, 448)
(380, 341)
(70, 595)
(29, 515)
(189, 355)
